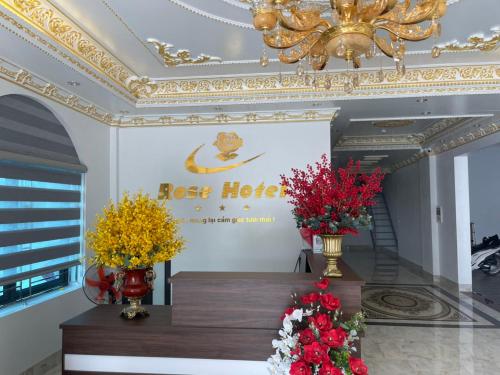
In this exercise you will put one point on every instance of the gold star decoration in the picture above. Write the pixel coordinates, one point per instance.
(246, 207)
(222, 207)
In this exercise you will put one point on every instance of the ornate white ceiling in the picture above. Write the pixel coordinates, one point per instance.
(103, 45)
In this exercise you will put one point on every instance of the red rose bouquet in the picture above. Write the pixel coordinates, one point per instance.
(331, 200)
(315, 339)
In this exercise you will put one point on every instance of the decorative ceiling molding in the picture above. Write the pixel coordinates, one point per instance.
(407, 162)
(477, 42)
(227, 118)
(181, 57)
(390, 124)
(30, 37)
(53, 23)
(21, 77)
(432, 133)
(212, 16)
(379, 142)
(430, 81)
(443, 126)
(470, 131)
(470, 134)
(141, 87)
(27, 80)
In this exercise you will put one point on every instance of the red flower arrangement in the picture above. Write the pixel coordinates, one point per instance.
(315, 339)
(332, 201)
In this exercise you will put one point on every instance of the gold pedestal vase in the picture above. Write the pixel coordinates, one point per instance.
(332, 251)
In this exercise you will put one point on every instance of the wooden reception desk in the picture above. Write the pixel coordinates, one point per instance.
(220, 323)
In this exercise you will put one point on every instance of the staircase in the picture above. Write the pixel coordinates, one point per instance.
(385, 243)
(383, 236)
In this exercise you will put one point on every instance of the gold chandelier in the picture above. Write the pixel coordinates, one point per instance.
(356, 28)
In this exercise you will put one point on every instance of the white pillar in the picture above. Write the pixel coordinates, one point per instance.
(462, 217)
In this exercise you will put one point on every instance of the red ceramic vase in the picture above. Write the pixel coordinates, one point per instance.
(134, 283)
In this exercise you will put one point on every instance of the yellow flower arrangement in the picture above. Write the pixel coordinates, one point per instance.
(137, 232)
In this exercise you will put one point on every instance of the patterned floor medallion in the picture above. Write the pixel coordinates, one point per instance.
(420, 305)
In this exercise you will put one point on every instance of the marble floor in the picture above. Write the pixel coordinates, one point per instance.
(394, 350)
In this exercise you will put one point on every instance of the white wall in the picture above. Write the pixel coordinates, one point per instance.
(454, 265)
(150, 156)
(31, 335)
(484, 177)
(414, 192)
(402, 191)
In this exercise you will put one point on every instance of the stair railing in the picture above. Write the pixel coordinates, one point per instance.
(372, 228)
(390, 221)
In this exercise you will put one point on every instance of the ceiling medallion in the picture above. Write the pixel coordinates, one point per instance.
(181, 57)
(474, 43)
(393, 123)
(299, 30)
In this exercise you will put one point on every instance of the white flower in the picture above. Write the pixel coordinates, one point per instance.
(287, 324)
(297, 315)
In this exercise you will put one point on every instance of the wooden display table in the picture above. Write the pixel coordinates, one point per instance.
(220, 323)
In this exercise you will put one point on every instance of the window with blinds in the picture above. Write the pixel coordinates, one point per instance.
(41, 202)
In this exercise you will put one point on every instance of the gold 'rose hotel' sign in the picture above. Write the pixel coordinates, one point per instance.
(227, 144)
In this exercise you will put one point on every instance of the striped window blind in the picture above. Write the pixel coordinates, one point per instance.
(41, 201)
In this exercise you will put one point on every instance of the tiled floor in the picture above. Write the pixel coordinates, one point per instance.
(394, 350)
(487, 288)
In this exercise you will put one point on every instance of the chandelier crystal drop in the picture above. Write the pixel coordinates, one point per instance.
(264, 59)
(345, 29)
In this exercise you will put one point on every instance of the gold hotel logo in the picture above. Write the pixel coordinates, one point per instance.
(228, 144)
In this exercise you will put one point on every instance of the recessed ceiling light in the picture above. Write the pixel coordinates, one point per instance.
(383, 131)
(73, 83)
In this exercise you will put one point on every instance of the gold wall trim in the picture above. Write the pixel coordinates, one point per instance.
(407, 162)
(35, 40)
(23, 78)
(227, 118)
(437, 80)
(45, 17)
(385, 142)
(27, 80)
(470, 133)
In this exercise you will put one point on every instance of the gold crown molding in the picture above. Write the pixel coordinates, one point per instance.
(474, 43)
(407, 162)
(36, 41)
(37, 85)
(378, 142)
(46, 18)
(437, 129)
(27, 80)
(181, 57)
(470, 135)
(433, 80)
(390, 124)
(229, 119)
